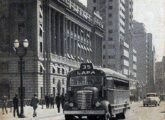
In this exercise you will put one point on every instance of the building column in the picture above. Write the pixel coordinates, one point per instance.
(73, 52)
(59, 35)
(70, 51)
(63, 35)
(65, 39)
(76, 41)
(53, 40)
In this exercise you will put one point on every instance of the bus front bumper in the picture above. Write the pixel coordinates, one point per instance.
(85, 112)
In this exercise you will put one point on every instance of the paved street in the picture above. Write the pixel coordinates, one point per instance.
(137, 112)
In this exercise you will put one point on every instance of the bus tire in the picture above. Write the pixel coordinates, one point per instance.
(120, 116)
(123, 115)
(91, 117)
(107, 116)
(68, 117)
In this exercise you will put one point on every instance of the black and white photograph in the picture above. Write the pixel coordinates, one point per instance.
(82, 59)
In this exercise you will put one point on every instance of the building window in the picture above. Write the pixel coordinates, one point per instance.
(110, 31)
(20, 10)
(53, 70)
(40, 32)
(94, 1)
(40, 12)
(41, 48)
(110, 39)
(110, 7)
(21, 28)
(104, 46)
(58, 69)
(69, 69)
(103, 56)
(54, 80)
(94, 8)
(63, 71)
(110, 15)
(41, 70)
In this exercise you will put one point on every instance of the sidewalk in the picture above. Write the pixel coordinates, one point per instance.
(28, 112)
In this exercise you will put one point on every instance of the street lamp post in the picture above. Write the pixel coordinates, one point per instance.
(21, 50)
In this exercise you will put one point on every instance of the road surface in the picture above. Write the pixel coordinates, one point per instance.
(137, 112)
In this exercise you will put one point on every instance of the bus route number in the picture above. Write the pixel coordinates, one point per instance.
(86, 67)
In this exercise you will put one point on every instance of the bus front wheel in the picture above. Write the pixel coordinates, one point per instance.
(92, 117)
(107, 116)
(121, 116)
(68, 117)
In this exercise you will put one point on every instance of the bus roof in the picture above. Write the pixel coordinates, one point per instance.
(110, 72)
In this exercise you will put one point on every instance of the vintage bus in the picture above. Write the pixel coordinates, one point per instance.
(99, 93)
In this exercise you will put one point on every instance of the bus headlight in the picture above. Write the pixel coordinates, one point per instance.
(97, 104)
(70, 104)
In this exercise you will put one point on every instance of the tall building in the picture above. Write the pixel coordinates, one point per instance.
(117, 17)
(61, 35)
(142, 42)
(160, 76)
(129, 38)
(151, 64)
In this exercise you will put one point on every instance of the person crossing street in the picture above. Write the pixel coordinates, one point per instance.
(58, 102)
(34, 103)
(4, 104)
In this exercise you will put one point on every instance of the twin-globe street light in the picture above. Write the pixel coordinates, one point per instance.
(21, 50)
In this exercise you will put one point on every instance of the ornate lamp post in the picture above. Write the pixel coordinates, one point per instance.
(21, 50)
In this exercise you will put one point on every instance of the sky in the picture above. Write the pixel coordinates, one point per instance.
(152, 14)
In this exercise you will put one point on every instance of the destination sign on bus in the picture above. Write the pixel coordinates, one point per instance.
(86, 72)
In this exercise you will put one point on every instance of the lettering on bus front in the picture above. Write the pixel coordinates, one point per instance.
(86, 72)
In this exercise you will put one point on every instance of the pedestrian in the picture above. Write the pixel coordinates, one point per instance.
(34, 103)
(15, 105)
(4, 104)
(62, 100)
(47, 101)
(58, 102)
(52, 101)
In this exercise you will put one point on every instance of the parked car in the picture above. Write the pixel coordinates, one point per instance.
(151, 99)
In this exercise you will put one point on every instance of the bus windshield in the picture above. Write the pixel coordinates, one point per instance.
(86, 80)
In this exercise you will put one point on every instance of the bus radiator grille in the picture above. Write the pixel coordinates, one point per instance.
(84, 99)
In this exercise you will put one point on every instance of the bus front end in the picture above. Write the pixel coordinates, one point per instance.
(84, 94)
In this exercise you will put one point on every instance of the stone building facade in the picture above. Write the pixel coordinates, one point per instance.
(61, 34)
